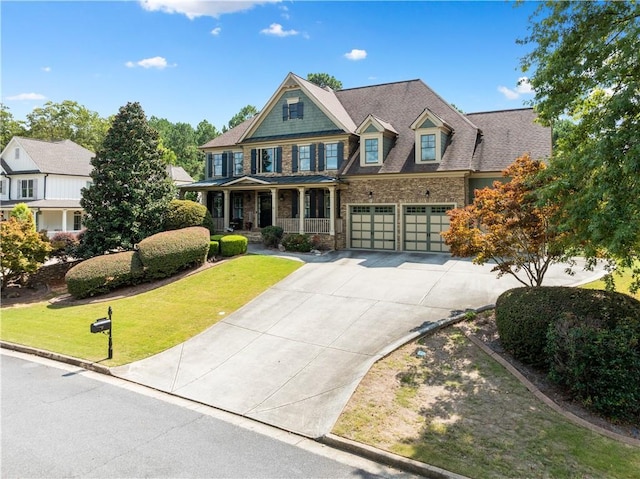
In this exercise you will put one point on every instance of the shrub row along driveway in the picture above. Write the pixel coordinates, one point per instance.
(293, 356)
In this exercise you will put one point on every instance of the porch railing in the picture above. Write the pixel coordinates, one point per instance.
(311, 225)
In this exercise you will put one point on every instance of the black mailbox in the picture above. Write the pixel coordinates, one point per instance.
(102, 324)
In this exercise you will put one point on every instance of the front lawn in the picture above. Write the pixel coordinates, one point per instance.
(622, 279)
(150, 322)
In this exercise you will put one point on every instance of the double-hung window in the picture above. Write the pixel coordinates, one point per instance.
(371, 150)
(26, 188)
(304, 158)
(428, 147)
(217, 164)
(238, 159)
(77, 221)
(331, 154)
(266, 160)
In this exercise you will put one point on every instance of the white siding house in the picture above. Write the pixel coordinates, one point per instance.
(48, 177)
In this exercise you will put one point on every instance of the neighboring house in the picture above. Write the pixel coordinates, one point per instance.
(48, 177)
(375, 167)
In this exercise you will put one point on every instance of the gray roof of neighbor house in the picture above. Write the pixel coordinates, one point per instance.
(58, 157)
(479, 142)
(507, 134)
(178, 173)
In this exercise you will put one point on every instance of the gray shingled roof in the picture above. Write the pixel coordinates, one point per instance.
(231, 137)
(400, 104)
(58, 157)
(507, 134)
(178, 173)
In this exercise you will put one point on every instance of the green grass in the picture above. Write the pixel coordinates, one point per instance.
(622, 279)
(150, 322)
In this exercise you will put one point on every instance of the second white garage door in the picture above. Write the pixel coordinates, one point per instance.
(422, 227)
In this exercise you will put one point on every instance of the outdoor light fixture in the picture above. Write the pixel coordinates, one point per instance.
(371, 195)
(281, 197)
(427, 194)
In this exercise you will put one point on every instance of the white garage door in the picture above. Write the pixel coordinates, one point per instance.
(422, 227)
(373, 227)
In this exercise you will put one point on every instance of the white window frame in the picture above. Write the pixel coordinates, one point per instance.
(363, 149)
(238, 155)
(217, 164)
(435, 147)
(29, 188)
(420, 132)
(307, 158)
(77, 221)
(327, 157)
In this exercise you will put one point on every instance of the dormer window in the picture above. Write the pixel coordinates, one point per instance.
(293, 109)
(377, 138)
(432, 135)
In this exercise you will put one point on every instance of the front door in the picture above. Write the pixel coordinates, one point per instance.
(264, 205)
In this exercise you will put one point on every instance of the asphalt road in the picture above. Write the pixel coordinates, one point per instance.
(62, 421)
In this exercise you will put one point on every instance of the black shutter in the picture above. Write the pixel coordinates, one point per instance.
(295, 199)
(300, 109)
(340, 154)
(278, 168)
(285, 112)
(294, 158)
(312, 204)
(225, 159)
(320, 203)
(253, 161)
(209, 165)
(312, 154)
(337, 205)
(229, 163)
(320, 156)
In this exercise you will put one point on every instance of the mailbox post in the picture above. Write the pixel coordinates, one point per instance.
(102, 325)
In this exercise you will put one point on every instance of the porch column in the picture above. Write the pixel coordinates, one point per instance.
(64, 220)
(332, 210)
(301, 208)
(274, 206)
(203, 197)
(226, 209)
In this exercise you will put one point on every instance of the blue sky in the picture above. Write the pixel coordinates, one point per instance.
(189, 60)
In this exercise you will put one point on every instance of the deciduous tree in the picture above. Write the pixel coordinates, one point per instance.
(9, 127)
(585, 66)
(244, 114)
(324, 79)
(22, 250)
(131, 188)
(507, 225)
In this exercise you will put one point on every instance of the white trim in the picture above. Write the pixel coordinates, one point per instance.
(363, 152)
(246, 178)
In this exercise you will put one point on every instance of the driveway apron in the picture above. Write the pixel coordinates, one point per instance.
(294, 355)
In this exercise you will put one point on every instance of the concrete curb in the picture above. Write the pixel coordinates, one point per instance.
(387, 458)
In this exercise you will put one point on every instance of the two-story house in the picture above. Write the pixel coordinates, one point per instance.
(48, 177)
(375, 167)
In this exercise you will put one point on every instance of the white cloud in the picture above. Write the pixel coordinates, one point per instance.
(155, 62)
(216, 31)
(27, 96)
(356, 55)
(285, 12)
(197, 8)
(523, 87)
(46, 69)
(275, 29)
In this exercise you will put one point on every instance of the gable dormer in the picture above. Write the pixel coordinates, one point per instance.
(377, 137)
(432, 135)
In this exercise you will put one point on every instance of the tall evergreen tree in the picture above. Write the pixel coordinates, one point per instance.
(131, 188)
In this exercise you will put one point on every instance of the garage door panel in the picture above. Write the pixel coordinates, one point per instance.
(373, 227)
(423, 225)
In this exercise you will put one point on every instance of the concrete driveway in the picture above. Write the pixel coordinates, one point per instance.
(293, 356)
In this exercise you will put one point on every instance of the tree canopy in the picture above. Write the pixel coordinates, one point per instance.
(586, 67)
(324, 79)
(131, 188)
(9, 127)
(245, 113)
(506, 225)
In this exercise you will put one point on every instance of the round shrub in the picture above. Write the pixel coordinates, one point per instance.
(166, 253)
(297, 242)
(102, 274)
(232, 245)
(597, 358)
(185, 213)
(523, 316)
(216, 237)
(214, 249)
(63, 245)
(271, 235)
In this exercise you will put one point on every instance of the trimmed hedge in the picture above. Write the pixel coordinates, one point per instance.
(185, 213)
(214, 249)
(166, 253)
(102, 274)
(232, 245)
(297, 242)
(523, 315)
